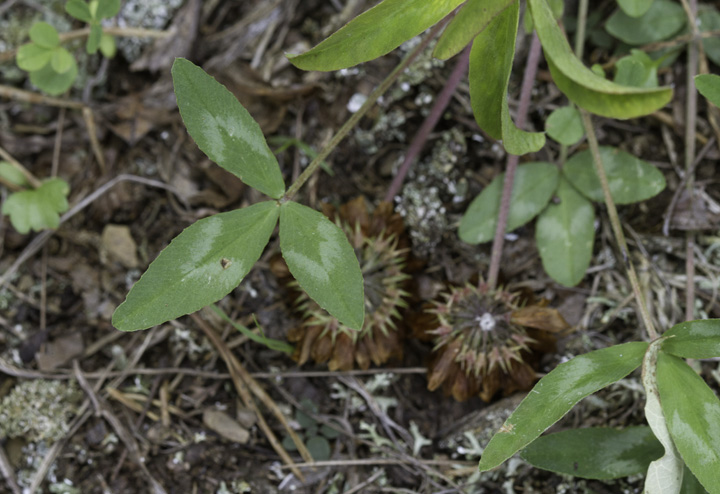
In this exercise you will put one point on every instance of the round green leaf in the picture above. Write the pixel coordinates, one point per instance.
(564, 234)
(693, 339)
(224, 130)
(31, 57)
(630, 179)
(43, 34)
(38, 209)
(661, 21)
(472, 18)
(323, 262)
(12, 174)
(635, 8)
(556, 393)
(61, 60)
(374, 33)
(319, 448)
(565, 125)
(533, 187)
(79, 10)
(52, 82)
(614, 453)
(709, 20)
(584, 87)
(107, 46)
(107, 9)
(637, 69)
(200, 266)
(692, 413)
(709, 86)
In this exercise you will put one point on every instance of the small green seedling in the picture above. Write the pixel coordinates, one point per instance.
(317, 437)
(33, 208)
(52, 68)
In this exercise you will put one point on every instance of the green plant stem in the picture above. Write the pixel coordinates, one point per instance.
(355, 118)
(616, 225)
(690, 125)
(580, 33)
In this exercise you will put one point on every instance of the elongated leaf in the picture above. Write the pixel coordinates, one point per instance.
(200, 266)
(491, 60)
(613, 454)
(565, 125)
(709, 86)
(323, 262)
(630, 179)
(664, 474)
(43, 34)
(374, 33)
(692, 412)
(694, 339)
(661, 21)
(470, 20)
(93, 41)
(224, 130)
(581, 85)
(564, 234)
(38, 209)
(533, 187)
(556, 393)
(280, 346)
(635, 8)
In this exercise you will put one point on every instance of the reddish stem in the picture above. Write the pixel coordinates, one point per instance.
(512, 162)
(441, 102)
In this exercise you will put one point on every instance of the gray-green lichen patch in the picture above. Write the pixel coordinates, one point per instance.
(149, 14)
(39, 410)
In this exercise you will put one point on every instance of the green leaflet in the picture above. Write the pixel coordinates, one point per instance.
(564, 234)
(374, 33)
(52, 82)
(694, 339)
(565, 125)
(43, 34)
(630, 179)
(635, 8)
(665, 474)
(581, 85)
(638, 70)
(709, 20)
(709, 86)
(533, 187)
(38, 209)
(200, 266)
(491, 60)
(612, 453)
(224, 130)
(472, 18)
(661, 21)
(556, 393)
(692, 413)
(323, 262)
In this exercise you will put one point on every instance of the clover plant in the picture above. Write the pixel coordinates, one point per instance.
(209, 258)
(52, 68)
(33, 207)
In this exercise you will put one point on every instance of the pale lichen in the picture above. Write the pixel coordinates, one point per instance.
(39, 410)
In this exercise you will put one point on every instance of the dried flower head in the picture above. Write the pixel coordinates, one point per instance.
(376, 239)
(485, 342)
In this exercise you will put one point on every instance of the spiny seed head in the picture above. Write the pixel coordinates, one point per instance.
(479, 346)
